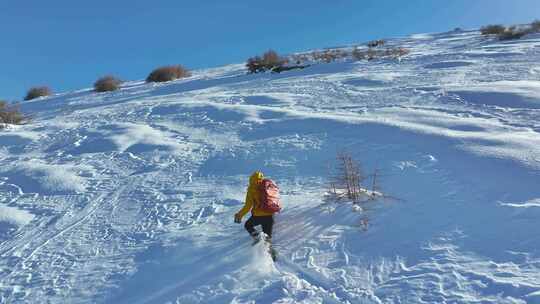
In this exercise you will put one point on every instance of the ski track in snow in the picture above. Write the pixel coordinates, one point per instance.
(128, 196)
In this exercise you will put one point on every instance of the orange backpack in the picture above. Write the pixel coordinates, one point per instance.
(270, 200)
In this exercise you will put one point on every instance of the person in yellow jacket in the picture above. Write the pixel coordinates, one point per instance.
(258, 217)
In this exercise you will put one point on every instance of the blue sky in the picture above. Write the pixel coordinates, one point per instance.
(68, 44)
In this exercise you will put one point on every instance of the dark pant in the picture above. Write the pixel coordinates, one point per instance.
(267, 222)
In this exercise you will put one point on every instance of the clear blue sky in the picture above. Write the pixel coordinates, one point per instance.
(68, 44)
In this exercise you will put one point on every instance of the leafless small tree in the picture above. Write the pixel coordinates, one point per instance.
(347, 176)
(375, 181)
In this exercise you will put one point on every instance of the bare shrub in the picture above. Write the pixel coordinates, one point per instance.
(36, 92)
(328, 56)
(492, 29)
(10, 114)
(376, 43)
(168, 73)
(513, 33)
(321, 56)
(269, 61)
(397, 52)
(255, 65)
(358, 54)
(348, 184)
(317, 56)
(107, 83)
(371, 54)
(347, 176)
(299, 58)
(535, 26)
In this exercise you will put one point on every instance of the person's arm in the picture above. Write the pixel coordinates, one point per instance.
(247, 206)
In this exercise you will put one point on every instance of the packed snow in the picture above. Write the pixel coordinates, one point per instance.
(129, 196)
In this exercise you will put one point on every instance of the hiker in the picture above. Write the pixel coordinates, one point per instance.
(262, 213)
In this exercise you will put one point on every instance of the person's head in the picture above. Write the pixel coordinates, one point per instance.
(256, 178)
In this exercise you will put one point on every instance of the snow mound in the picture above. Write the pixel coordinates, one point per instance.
(36, 176)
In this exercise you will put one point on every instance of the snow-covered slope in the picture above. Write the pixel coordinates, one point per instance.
(129, 196)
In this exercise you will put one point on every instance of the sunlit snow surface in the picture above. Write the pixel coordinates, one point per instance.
(128, 196)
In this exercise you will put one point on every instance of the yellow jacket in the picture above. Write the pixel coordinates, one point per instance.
(253, 197)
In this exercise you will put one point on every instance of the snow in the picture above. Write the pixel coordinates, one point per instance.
(15, 216)
(528, 204)
(36, 176)
(260, 264)
(129, 196)
(144, 136)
